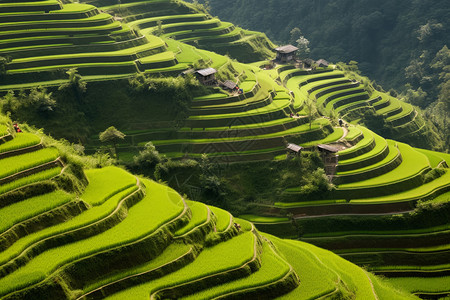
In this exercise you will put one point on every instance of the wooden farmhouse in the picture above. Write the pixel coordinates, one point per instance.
(322, 63)
(207, 76)
(308, 63)
(286, 54)
(229, 85)
(293, 150)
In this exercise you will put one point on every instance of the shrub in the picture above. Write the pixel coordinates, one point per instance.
(433, 174)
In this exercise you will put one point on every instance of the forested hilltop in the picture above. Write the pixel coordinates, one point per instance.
(401, 44)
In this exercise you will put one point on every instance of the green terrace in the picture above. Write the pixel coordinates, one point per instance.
(127, 237)
(45, 6)
(412, 165)
(75, 35)
(334, 92)
(187, 23)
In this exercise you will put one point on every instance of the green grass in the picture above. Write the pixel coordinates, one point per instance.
(85, 30)
(200, 214)
(273, 107)
(214, 96)
(333, 137)
(255, 125)
(33, 3)
(127, 51)
(86, 218)
(247, 85)
(315, 278)
(159, 207)
(245, 225)
(106, 182)
(444, 198)
(394, 104)
(78, 65)
(224, 218)
(387, 290)
(185, 53)
(367, 139)
(14, 164)
(3, 130)
(428, 268)
(21, 140)
(292, 131)
(337, 102)
(100, 16)
(44, 175)
(261, 219)
(73, 7)
(160, 57)
(419, 192)
(380, 145)
(422, 284)
(273, 268)
(306, 203)
(435, 158)
(411, 232)
(162, 18)
(172, 252)
(353, 132)
(406, 109)
(413, 163)
(220, 258)
(31, 207)
(356, 279)
(393, 153)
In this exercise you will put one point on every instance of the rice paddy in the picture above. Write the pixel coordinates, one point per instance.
(130, 237)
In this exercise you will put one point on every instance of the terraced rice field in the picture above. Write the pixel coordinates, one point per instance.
(72, 35)
(129, 237)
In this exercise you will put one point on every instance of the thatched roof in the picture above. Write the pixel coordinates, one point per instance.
(328, 148)
(294, 147)
(286, 49)
(229, 84)
(322, 62)
(206, 72)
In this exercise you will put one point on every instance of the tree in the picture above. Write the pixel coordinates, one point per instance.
(160, 30)
(312, 110)
(41, 100)
(75, 82)
(303, 47)
(147, 159)
(417, 97)
(302, 43)
(295, 34)
(3, 62)
(112, 135)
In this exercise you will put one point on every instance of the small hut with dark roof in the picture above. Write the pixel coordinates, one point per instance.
(229, 85)
(329, 157)
(293, 150)
(327, 148)
(207, 76)
(286, 53)
(308, 63)
(322, 63)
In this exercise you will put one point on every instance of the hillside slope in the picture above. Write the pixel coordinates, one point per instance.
(120, 236)
(381, 187)
(382, 36)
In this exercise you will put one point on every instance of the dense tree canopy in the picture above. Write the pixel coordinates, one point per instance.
(383, 35)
